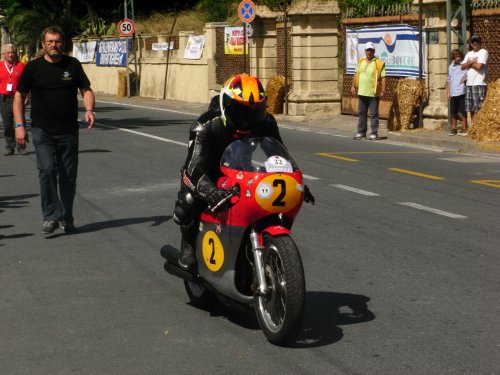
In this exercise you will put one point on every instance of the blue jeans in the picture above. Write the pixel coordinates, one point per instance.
(365, 103)
(57, 164)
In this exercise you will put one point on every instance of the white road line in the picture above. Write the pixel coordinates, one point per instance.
(143, 134)
(433, 210)
(355, 190)
(146, 107)
(308, 177)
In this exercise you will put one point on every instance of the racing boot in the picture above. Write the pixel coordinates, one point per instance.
(188, 256)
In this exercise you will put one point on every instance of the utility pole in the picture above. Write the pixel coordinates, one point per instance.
(285, 30)
(128, 9)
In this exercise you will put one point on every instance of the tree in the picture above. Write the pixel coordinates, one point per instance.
(26, 19)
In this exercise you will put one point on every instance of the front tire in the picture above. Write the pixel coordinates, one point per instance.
(199, 295)
(281, 311)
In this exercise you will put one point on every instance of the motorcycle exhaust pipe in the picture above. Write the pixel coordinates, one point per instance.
(175, 270)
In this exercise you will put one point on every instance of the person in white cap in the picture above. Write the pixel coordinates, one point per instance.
(476, 64)
(369, 83)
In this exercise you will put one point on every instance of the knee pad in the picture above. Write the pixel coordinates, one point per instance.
(185, 210)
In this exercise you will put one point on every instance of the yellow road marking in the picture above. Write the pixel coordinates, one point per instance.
(335, 156)
(424, 175)
(377, 152)
(493, 183)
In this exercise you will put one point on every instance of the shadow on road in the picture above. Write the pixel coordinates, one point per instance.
(16, 201)
(325, 311)
(118, 223)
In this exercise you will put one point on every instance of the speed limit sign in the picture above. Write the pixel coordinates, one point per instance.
(126, 27)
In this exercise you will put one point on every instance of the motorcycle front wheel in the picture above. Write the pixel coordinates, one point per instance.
(281, 311)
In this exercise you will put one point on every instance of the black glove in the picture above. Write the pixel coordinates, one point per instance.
(216, 197)
(308, 197)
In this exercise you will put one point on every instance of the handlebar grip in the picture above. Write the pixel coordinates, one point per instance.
(233, 191)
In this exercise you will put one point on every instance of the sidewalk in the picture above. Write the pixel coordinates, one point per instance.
(345, 123)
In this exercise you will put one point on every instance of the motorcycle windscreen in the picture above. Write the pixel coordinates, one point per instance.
(259, 154)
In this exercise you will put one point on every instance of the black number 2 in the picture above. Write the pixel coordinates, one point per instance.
(279, 199)
(212, 243)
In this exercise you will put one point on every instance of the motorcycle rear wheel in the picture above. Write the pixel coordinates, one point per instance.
(281, 311)
(199, 296)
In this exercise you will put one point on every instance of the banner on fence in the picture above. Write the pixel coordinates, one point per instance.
(396, 45)
(164, 46)
(112, 52)
(194, 47)
(233, 40)
(84, 52)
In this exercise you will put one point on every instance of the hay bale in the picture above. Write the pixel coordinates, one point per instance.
(486, 127)
(407, 97)
(122, 83)
(275, 91)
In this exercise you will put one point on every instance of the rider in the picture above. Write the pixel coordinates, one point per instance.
(240, 113)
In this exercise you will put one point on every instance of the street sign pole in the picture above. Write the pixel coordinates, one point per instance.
(246, 12)
(245, 47)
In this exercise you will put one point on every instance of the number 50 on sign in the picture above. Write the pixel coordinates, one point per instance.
(126, 27)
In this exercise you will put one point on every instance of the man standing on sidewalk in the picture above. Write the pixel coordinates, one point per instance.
(369, 80)
(53, 81)
(476, 64)
(10, 73)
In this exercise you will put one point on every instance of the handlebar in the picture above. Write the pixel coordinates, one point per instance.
(233, 191)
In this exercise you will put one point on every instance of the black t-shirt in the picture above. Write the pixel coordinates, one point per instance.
(54, 89)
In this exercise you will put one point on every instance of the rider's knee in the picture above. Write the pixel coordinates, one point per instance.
(185, 211)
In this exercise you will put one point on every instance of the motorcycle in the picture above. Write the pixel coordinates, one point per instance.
(245, 253)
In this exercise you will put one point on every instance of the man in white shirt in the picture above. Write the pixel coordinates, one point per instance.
(476, 64)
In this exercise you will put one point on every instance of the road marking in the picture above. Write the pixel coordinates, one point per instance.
(335, 156)
(379, 152)
(355, 190)
(308, 177)
(143, 134)
(493, 183)
(418, 174)
(471, 159)
(146, 107)
(433, 210)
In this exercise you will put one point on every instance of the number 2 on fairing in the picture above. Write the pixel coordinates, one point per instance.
(211, 242)
(279, 199)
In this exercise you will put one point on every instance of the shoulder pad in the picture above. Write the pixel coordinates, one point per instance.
(198, 127)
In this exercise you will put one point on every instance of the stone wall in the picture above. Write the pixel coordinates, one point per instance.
(319, 87)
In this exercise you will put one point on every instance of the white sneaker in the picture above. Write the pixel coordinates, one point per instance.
(373, 137)
(359, 136)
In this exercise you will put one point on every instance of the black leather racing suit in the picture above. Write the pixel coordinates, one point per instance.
(208, 139)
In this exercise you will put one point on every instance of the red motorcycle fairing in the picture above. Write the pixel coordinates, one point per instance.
(261, 194)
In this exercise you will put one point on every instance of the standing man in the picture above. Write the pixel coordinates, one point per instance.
(53, 81)
(369, 80)
(10, 73)
(476, 64)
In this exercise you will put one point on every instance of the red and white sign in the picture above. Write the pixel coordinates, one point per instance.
(126, 27)
(246, 11)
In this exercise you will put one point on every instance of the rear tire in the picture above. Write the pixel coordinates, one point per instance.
(281, 311)
(199, 296)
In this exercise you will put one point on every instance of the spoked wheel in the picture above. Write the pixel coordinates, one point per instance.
(199, 296)
(281, 311)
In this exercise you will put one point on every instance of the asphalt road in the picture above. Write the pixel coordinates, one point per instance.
(400, 253)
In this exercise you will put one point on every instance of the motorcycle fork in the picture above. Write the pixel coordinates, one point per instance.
(257, 249)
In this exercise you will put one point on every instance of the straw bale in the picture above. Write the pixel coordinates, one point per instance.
(486, 124)
(407, 97)
(275, 91)
(122, 83)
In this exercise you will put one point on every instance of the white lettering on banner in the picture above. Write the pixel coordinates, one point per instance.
(112, 53)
